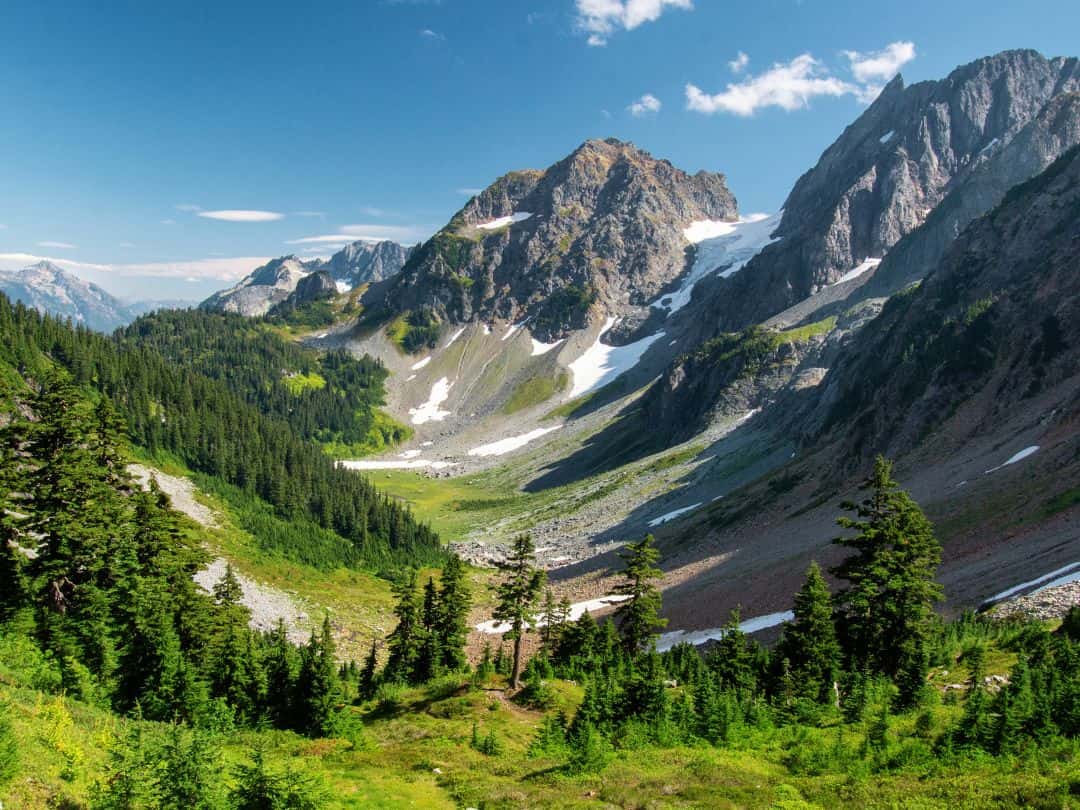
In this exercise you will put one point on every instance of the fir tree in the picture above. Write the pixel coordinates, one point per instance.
(406, 638)
(369, 674)
(517, 596)
(451, 624)
(732, 659)
(887, 607)
(318, 690)
(639, 615)
(809, 642)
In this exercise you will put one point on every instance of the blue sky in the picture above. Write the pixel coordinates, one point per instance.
(128, 125)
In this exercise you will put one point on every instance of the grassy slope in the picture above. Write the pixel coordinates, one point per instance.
(415, 752)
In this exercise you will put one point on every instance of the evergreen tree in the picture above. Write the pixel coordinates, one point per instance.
(406, 638)
(809, 642)
(260, 788)
(887, 608)
(451, 624)
(638, 616)
(281, 670)
(318, 690)
(517, 596)
(733, 659)
(369, 674)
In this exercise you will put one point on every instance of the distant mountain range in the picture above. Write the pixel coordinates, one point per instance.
(53, 290)
(271, 284)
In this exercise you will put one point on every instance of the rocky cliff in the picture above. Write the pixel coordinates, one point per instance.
(598, 233)
(884, 176)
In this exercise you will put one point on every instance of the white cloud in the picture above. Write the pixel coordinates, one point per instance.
(319, 214)
(880, 65)
(601, 18)
(226, 269)
(188, 207)
(59, 245)
(648, 104)
(405, 234)
(242, 215)
(792, 85)
(427, 33)
(739, 63)
(469, 192)
(789, 86)
(606, 113)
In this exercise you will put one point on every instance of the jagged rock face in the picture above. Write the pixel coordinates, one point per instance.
(598, 233)
(272, 283)
(997, 325)
(49, 289)
(260, 290)
(363, 262)
(1045, 138)
(881, 179)
(313, 287)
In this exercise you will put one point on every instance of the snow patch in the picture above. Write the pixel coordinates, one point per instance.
(728, 245)
(410, 378)
(410, 454)
(412, 464)
(989, 146)
(512, 443)
(674, 514)
(600, 364)
(513, 330)
(343, 286)
(539, 348)
(454, 337)
(857, 271)
(487, 329)
(1027, 451)
(430, 411)
(577, 610)
(1049, 580)
(502, 222)
(419, 364)
(695, 637)
(888, 136)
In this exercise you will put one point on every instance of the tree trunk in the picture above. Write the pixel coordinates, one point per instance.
(515, 674)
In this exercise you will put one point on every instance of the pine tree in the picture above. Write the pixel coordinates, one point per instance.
(280, 667)
(517, 596)
(451, 625)
(732, 659)
(405, 639)
(318, 690)
(369, 674)
(809, 642)
(638, 616)
(887, 608)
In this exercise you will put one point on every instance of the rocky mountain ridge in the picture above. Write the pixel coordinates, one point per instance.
(599, 233)
(51, 289)
(271, 284)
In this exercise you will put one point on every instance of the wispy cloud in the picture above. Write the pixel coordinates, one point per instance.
(599, 19)
(880, 65)
(168, 222)
(793, 85)
(648, 104)
(739, 63)
(242, 215)
(57, 245)
(3, 227)
(188, 207)
(126, 244)
(405, 234)
(319, 214)
(224, 269)
(372, 211)
(468, 191)
(427, 33)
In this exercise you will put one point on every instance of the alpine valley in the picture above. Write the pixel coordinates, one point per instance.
(340, 536)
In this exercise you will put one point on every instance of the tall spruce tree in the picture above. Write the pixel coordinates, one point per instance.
(406, 638)
(809, 642)
(451, 623)
(517, 595)
(317, 687)
(887, 608)
(638, 616)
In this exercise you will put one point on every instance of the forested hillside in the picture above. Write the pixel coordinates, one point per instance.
(335, 517)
